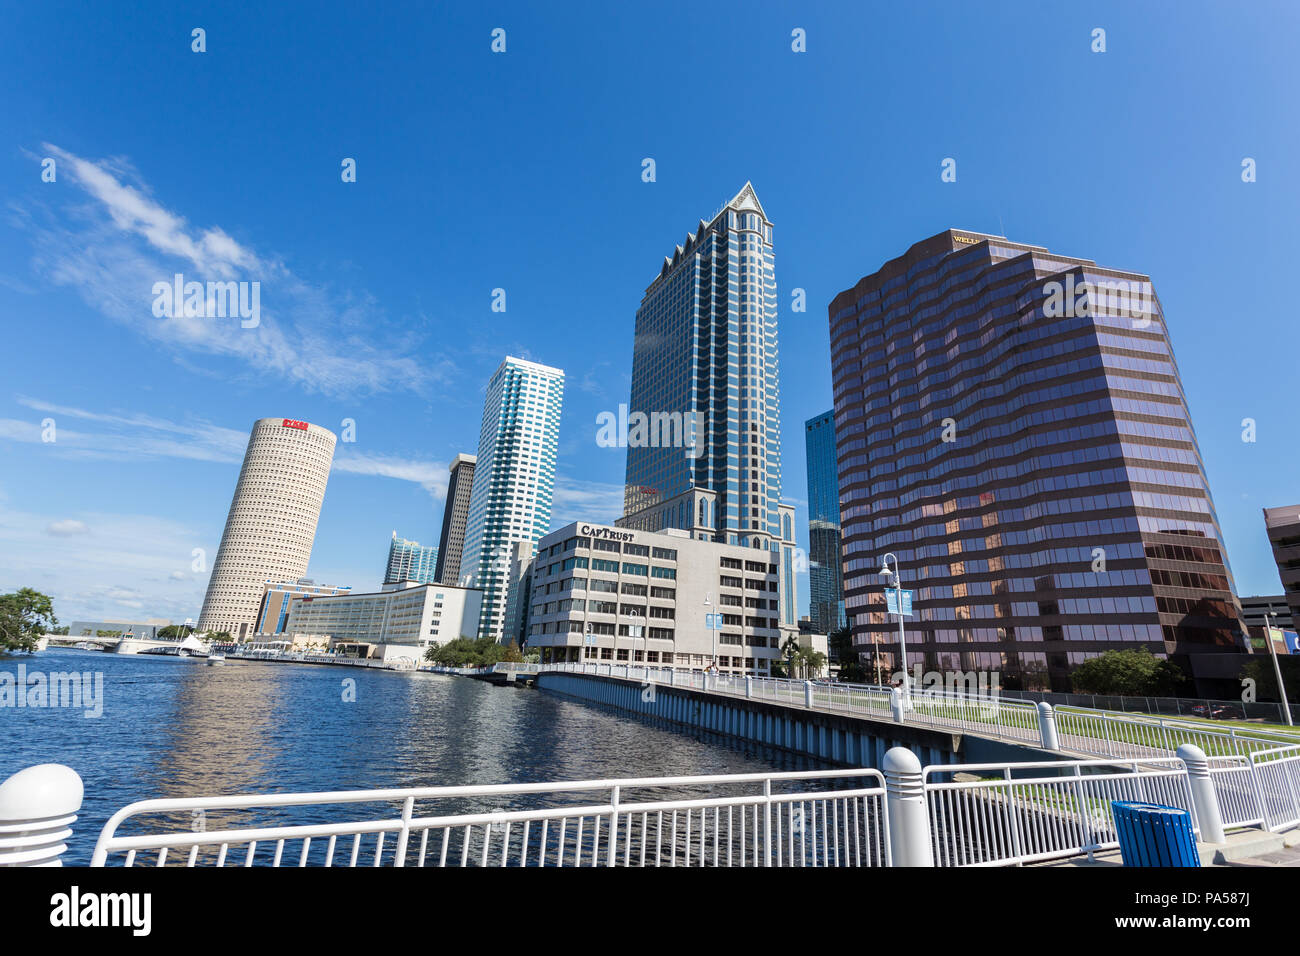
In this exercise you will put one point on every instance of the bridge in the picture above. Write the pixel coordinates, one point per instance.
(126, 644)
(911, 795)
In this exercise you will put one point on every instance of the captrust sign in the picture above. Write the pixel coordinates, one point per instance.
(589, 531)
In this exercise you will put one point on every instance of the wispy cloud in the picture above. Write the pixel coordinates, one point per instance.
(124, 436)
(587, 500)
(113, 249)
(429, 475)
(67, 528)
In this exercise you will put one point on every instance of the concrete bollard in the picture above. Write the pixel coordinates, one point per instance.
(672, 677)
(1047, 726)
(909, 823)
(37, 809)
(749, 687)
(896, 704)
(808, 694)
(1206, 801)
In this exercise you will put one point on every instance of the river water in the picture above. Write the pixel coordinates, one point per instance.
(174, 727)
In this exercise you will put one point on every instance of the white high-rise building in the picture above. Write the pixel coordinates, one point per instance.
(514, 479)
(272, 520)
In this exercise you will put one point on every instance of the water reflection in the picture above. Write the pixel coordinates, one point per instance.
(179, 728)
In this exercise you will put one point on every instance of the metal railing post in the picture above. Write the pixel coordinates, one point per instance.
(1047, 726)
(767, 822)
(1205, 800)
(611, 856)
(399, 855)
(1258, 788)
(909, 824)
(37, 809)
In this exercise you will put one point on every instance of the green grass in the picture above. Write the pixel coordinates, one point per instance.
(1257, 731)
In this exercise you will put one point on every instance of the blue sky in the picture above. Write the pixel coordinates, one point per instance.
(522, 171)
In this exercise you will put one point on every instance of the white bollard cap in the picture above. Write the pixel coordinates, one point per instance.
(1192, 755)
(900, 760)
(46, 790)
(1044, 707)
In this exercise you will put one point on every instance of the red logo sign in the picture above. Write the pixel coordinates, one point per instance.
(290, 423)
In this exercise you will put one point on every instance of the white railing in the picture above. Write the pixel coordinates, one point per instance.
(1276, 775)
(1029, 812)
(1095, 733)
(1237, 791)
(816, 818)
(991, 814)
(1125, 735)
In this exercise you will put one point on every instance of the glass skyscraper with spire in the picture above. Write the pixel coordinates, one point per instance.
(705, 377)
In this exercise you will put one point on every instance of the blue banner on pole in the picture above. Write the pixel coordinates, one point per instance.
(891, 601)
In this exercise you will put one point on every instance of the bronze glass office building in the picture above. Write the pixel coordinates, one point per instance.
(1283, 526)
(1012, 425)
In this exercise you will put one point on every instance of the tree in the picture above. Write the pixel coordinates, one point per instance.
(811, 662)
(842, 650)
(471, 652)
(175, 632)
(25, 615)
(790, 650)
(1128, 673)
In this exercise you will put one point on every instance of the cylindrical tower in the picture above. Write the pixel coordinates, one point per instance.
(272, 521)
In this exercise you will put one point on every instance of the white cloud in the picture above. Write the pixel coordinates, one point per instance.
(113, 249)
(578, 500)
(67, 528)
(129, 437)
(429, 475)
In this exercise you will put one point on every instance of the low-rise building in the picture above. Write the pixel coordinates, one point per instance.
(273, 614)
(611, 594)
(402, 620)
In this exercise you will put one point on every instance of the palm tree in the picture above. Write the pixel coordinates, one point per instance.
(812, 661)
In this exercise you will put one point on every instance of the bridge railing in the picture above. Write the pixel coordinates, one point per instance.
(1031, 812)
(813, 818)
(1099, 733)
(981, 814)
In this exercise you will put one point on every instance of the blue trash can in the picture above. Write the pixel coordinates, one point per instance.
(1154, 835)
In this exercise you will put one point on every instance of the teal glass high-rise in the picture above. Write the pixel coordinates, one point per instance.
(514, 479)
(825, 576)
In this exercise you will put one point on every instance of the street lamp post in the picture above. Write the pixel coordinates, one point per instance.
(897, 575)
(1277, 668)
(709, 603)
(634, 631)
